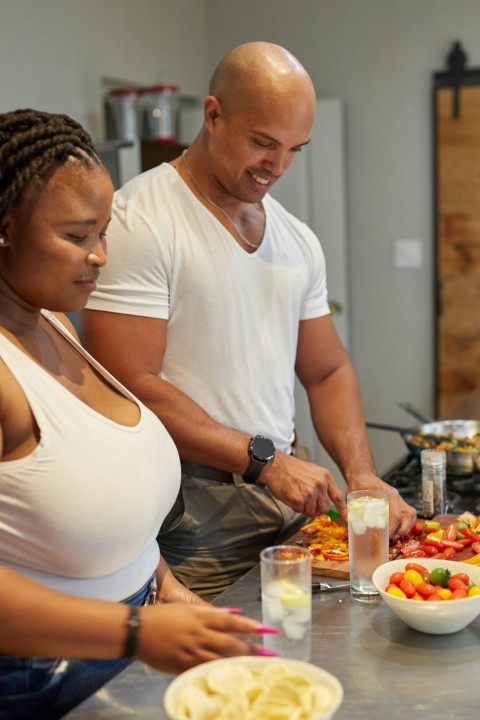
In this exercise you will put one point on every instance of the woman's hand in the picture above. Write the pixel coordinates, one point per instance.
(176, 636)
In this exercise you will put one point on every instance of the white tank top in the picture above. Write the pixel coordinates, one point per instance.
(80, 514)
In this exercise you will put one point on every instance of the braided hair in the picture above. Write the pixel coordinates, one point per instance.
(31, 144)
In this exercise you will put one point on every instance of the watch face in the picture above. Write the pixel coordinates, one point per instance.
(263, 448)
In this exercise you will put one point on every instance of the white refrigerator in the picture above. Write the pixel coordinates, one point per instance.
(314, 189)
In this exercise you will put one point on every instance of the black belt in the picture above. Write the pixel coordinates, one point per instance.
(205, 471)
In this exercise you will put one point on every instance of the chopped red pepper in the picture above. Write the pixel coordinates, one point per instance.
(335, 550)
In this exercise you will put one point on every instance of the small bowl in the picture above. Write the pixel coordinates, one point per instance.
(317, 675)
(435, 618)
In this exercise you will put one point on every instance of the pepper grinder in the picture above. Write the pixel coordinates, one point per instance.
(434, 482)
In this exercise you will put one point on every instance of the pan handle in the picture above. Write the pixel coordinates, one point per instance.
(393, 428)
(416, 413)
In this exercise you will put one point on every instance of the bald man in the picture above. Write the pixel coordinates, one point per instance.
(213, 297)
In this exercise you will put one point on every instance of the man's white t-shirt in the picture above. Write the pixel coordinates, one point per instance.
(233, 316)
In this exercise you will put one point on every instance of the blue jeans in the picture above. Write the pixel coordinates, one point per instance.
(46, 689)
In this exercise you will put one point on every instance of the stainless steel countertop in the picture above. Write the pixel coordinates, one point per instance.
(387, 670)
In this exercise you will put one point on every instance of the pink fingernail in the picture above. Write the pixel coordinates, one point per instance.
(266, 652)
(266, 630)
(231, 610)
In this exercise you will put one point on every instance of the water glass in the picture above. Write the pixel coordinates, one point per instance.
(286, 579)
(367, 540)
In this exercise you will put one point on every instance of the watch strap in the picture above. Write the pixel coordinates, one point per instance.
(253, 471)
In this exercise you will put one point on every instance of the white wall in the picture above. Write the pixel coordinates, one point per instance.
(378, 56)
(54, 54)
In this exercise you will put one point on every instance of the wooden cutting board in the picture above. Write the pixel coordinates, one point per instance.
(327, 568)
(337, 569)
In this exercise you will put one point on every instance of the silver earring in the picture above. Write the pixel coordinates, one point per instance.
(2, 240)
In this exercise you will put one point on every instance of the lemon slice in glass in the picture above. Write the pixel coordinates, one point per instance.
(293, 596)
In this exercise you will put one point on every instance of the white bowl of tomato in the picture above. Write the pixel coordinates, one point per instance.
(432, 596)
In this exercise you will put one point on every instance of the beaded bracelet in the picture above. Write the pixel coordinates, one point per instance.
(133, 625)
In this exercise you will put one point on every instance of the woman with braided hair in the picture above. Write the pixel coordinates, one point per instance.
(81, 494)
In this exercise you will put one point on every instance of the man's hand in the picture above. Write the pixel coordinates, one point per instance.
(402, 516)
(171, 590)
(303, 486)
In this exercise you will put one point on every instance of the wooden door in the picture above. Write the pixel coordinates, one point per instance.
(457, 152)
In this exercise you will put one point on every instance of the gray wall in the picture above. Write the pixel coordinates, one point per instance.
(56, 54)
(378, 55)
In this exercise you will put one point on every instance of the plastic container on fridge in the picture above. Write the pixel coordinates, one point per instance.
(160, 105)
(122, 117)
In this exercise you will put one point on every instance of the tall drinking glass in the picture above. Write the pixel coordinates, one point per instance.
(286, 574)
(367, 540)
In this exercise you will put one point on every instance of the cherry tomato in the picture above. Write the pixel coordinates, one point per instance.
(450, 532)
(449, 553)
(445, 593)
(461, 576)
(434, 596)
(435, 542)
(469, 534)
(396, 578)
(430, 551)
(425, 589)
(395, 590)
(409, 546)
(440, 576)
(418, 527)
(414, 554)
(458, 594)
(474, 590)
(414, 577)
(456, 584)
(414, 566)
(455, 544)
(476, 547)
(408, 588)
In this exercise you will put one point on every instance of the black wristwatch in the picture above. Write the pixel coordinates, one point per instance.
(262, 451)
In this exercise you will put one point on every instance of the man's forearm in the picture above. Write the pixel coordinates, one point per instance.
(338, 418)
(197, 436)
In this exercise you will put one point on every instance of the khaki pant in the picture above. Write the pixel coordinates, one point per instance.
(215, 531)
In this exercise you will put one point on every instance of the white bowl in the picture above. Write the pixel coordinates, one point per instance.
(436, 618)
(317, 675)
